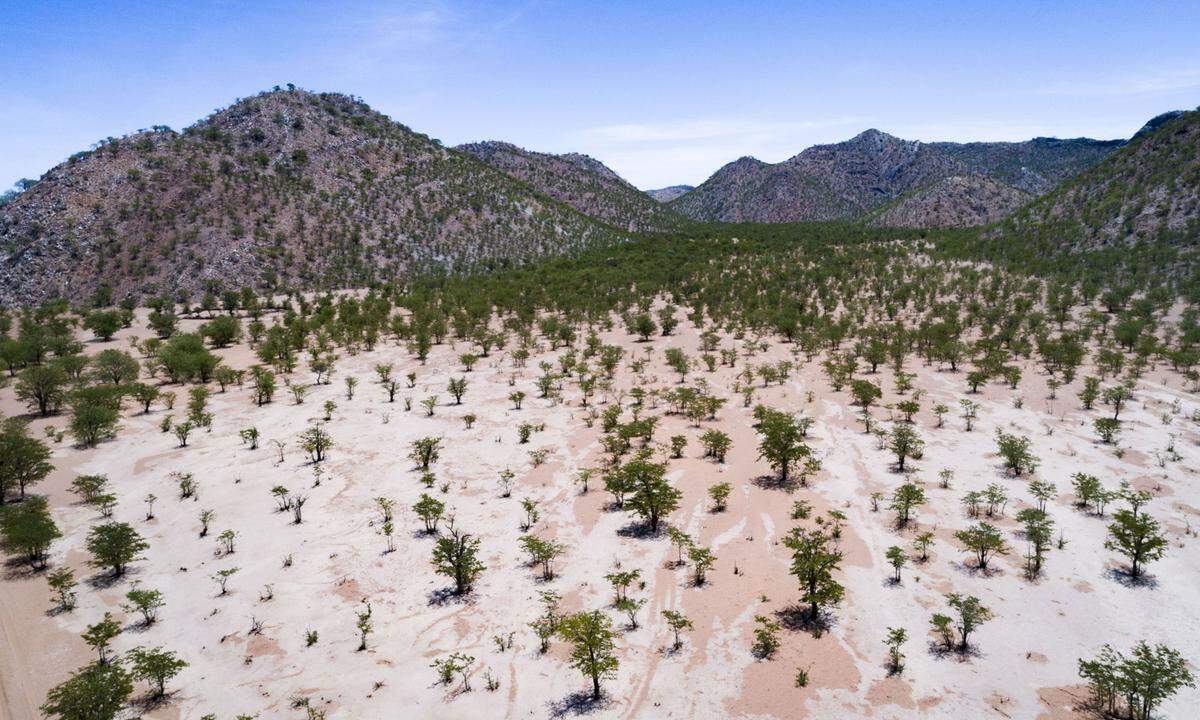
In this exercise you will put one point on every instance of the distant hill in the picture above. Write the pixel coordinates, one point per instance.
(852, 179)
(1148, 190)
(284, 188)
(956, 201)
(1034, 166)
(581, 182)
(668, 194)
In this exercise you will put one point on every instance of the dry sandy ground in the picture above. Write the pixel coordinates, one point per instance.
(1025, 665)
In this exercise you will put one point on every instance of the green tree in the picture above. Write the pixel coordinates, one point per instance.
(542, 552)
(1016, 453)
(94, 414)
(27, 528)
(457, 387)
(316, 442)
(815, 557)
(156, 665)
(114, 545)
(457, 556)
(42, 387)
(897, 559)
(1108, 429)
(907, 497)
(971, 614)
(103, 323)
(425, 451)
(984, 540)
(1090, 392)
(678, 622)
(222, 331)
(905, 443)
(1142, 681)
(24, 460)
(781, 443)
(653, 497)
(115, 367)
(145, 601)
(1039, 533)
(592, 648)
(100, 635)
(95, 692)
(430, 511)
(715, 443)
(720, 495)
(1138, 537)
(766, 637)
(896, 638)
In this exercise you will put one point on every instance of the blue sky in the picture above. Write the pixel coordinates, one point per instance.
(662, 92)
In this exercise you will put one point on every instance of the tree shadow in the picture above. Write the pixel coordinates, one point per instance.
(137, 627)
(448, 596)
(151, 701)
(19, 568)
(641, 530)
(974, 570)
(1123, 577)
(798, 618)
(577, 703)
(775, 482)
(939, 650)
(106, 580)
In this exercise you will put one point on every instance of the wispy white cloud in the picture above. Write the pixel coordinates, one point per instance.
(415, 25)
(1156, 82)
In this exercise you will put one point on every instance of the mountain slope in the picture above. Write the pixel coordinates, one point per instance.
(956, 201)
(750, 190)
(669, 193)
(581, 182)
(1034, 166)
(852, 179)
(1148, 190)
(284, 188)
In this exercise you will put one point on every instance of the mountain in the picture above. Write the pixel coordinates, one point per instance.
(955, 201)
(1158, 121)
(668, 194)
(1034, 166)
(284, 188)
(1148, 190)
(852, 179)
(750, 190)
(581, 182)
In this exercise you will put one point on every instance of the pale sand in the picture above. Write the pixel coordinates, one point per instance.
(1026, 661)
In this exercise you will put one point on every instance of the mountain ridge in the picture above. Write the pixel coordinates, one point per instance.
(1149, 190)
(284, 188)
(856, 177)
(580, 181)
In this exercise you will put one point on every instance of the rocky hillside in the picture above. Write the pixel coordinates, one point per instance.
(956, 201)
(1148, 190)
(284, 188)
(668, 194)
(750, 190)
(852, 179)
(581, 182)
(1034, 166)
